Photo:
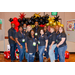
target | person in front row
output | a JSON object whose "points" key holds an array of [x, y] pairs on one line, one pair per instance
{"points": [[31, 46], [61, 44], [42, 44], [52, 44], [20, 39]]}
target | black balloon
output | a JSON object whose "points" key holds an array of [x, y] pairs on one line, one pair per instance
{"points": [[43, 22], [32, 18], [36, 20], [46, 21], [19, 20], [24, 19], [39, 23], [43, 18], [11, 19], [32, 22], [47, 16], [26, 23], [22, 23]]}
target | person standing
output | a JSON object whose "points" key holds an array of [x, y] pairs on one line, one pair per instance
{"points": [[42, 44], [31, 46], [61, 44], [37, 33], [20, 39], [12, 42], [46, 53], [24, 32], [56, 49], [52, 44]]}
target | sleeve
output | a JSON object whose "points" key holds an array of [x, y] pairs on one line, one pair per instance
{"points": [[46, 38], [16, 35], [9, 33], [63, 35], [54, 37], [26, 39]]}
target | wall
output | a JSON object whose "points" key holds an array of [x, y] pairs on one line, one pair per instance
{"points": [[64, 15]]}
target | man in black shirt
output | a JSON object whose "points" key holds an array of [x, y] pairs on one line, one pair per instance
{"points": [[11, 37], [37, 32]]}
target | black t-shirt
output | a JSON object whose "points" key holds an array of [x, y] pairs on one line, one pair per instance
{"points": [[37, 31], [51, 38], [21, 37], [62, 35], [42, 39], [47, 33], [31, 44], [11, 32], [57, 34]]}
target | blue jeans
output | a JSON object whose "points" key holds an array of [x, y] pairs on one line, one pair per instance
{"points": [[21, 51], [30, 57], [12, 51], [51, 53], [56, 53], [47, 53], [41, 51], [61, 52], [24, 52]]}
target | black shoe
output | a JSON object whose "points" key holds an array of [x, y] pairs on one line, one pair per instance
{"points": [[56, 60]]}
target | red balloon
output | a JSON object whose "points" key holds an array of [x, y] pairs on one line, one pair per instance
{"points": [[66, 54], [16, 28], [17, 24], [42, 25], [15, 19]]}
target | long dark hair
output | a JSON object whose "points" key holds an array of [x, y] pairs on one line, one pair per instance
{"points": [[30, 33], [63, 29]]}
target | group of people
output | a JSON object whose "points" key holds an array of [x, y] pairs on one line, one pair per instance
{"points": [[29, 41]]}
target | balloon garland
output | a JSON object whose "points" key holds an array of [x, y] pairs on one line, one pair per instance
{"points": [[42, 20]]}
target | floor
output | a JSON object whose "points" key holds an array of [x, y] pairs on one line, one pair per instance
{"points": [[2, 59]]}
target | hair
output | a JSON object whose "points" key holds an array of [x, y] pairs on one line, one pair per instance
{"points": [[42, 29], [62, 29], [30, 33], [52, 28], [24, 23], [20, 26], [28, 27]]}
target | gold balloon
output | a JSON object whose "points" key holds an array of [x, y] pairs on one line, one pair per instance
{"points": [[62, 25], [49, 18], [52, 18], [54, 23], [32, 26], [47, 24], [37, 15], [59, 23], [50, 22]]}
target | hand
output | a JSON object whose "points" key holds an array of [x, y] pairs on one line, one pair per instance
{"points": [[26, 50], [57, 46], [21, 46], [50, 47], [46, 49]]}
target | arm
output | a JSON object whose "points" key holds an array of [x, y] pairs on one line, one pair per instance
{"points": [[12, 38], [26, 47], [37, 48], [18, 42], [61, 42]]}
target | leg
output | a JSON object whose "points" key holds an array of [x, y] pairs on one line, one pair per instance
{"points": [[41, 50], [12, 51], [56, 53], [52, 54]]}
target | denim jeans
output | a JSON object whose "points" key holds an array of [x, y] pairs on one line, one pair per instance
{"points": [[56, 53], [51, 53], [21, 51], [12, 51], [41, 51], [61, 52], [47, 53], [24, 52], [30, 57]]}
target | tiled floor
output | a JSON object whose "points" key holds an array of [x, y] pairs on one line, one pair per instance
{"points": [[2, 59]]}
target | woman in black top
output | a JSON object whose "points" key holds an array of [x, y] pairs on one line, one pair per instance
{"points": [[20, 39], [31, 46], [61, 44], [52, 44], [42, 44]]}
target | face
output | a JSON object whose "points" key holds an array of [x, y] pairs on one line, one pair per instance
{"points": [[20, 29], [60, 30], [13, 25], [36, 24], [45, 28], [24, 26], [51, 30], [29, 28], [56, 28], [32, 32], [41, 32]]}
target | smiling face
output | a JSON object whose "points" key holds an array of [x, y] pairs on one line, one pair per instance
{"points": [[32, 33], [60, 29], [45, 28], [41, 31], [36, 24], [13, 25]]}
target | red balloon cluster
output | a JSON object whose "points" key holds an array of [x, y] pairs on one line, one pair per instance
{"points": [[42, 25], [22, 15], [15, 21]]}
